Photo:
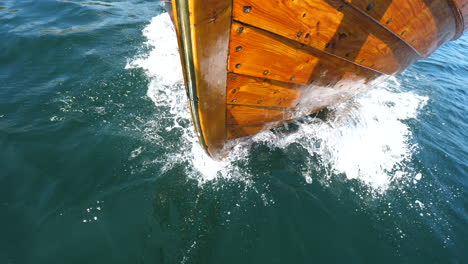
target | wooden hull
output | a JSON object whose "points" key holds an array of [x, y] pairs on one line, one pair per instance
{"points": [[251, 65]]}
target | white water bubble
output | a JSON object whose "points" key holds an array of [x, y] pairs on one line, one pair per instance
{"points": [[420, 204], [136, 152], [418, 176]]}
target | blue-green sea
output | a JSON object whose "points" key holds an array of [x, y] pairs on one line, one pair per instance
{"points": [[99, 162]]}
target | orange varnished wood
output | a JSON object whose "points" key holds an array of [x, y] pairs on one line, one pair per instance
{"points": [[254, 115], [245, 90], [210, 23], [331, 26], [258, 53], [423, 24], [328, 82], [255, 100], [293, 58], [248, 111], [261, 92]]}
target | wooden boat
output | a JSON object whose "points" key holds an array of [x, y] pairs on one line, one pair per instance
{"points": [[251, 65]]}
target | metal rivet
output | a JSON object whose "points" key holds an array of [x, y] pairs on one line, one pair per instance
{"points": [[247, 9], [234, 91], [370, 6], [234, 78], [240, 30], [234, 100], [260, 101], [304, 15], [299, 34], [363, 60], [238, 48], [292, 78], [307, 35], [389, 21], [238, 65], [266, 72], [403, 33]]}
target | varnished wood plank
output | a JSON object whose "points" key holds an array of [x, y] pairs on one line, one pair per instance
{"points": [[257, 117], [423, 24], [252, 115], [329, 73], [260, 54], [260, 50], [331, 26], [210, 31], [245, 90], [205, 50]]}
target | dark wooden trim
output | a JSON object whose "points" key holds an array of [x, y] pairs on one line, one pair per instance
{"points": [[458, 7]]}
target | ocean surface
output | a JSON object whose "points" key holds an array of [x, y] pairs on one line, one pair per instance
{"points": [[99, 163]]}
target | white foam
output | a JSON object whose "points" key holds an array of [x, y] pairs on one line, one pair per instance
{"points": [[365, 138]]}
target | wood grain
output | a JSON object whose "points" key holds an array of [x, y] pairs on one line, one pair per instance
{"points": [[423, 24], [246, 90], [290, 58], [209, 25], [242, 115], [210, 37], [258, 53], [310, 98], [331, 26]]}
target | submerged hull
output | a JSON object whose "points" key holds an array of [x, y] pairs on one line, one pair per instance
{"points": [[251, 65]]}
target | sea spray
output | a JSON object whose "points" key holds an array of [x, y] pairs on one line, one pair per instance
{"points": [[365, 138]]}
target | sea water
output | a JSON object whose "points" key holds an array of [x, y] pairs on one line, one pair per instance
{"points": [[99, 162]]}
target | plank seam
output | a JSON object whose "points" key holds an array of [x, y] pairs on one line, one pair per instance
{"points": [[387, 29], [305, 47]]}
